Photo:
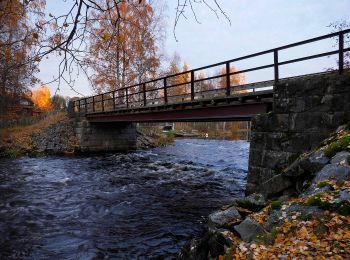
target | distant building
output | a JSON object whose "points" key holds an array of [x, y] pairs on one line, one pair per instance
{"points": [[14, 109]]}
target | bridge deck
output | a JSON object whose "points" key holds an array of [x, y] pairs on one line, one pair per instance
{"points": [[156, 100]]}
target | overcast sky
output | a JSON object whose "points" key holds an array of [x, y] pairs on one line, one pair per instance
{"points": [[256, 25]]}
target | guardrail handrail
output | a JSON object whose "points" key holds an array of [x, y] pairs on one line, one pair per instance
{"points": [[165, 87]]}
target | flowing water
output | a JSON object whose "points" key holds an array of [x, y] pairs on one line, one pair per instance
{"points": [[139, 205]]}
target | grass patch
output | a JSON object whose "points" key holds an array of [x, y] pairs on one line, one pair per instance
{"points": [[337, 146], [276, 204]]}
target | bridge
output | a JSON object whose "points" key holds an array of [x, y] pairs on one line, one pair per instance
{"points": [[198, 98], [304, 109]]}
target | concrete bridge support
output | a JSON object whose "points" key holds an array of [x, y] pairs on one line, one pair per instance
{"points": [[305, 111], [105, 137]]}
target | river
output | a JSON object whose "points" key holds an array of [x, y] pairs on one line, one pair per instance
{"points": [[140, 205]]}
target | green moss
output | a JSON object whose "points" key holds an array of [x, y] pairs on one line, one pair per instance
{"points": [[229, 254], [276, 204], [337, 146], [342, 208], [266, 238], [13, 152], [306, 217], [322, 184]]}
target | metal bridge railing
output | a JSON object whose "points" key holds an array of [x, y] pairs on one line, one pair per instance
{"points": [[160, 91]]}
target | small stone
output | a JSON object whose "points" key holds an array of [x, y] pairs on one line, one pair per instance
{"points": [[249, 229], [224, 218]]}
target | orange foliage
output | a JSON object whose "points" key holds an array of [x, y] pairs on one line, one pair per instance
{"points": [[42, 98], [235, 79]]}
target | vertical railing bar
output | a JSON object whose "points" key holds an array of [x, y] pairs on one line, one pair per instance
{"points": [[275, 57], [93, 103], [144, 94], [165, 91], [192, 85], [79, 106], [86, 108], [341, 52], [102, 103], [127, 97], [113, 95], [228, 79]]}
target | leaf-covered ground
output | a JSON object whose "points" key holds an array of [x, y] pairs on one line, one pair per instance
{"points": [[299, 236]]}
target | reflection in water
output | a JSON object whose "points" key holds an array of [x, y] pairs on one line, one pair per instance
{"points": [[140, 205]]}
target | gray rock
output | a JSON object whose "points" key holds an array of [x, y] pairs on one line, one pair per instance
{"points": [[344, 196], [313, 189], [275, 185], [249, 229], [224, 218], [274, 219], [309, 164], [253, 202], [332, 171], [305, 210], [341, 158]]}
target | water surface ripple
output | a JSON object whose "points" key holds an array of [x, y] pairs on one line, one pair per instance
{"points": [[117, 206]]}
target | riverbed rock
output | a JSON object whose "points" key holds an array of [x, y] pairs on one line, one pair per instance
{"points": [[249, 229], [224, 218], [253, 202], [333, 171], [196, 249], [275, 185], [219, 242]]}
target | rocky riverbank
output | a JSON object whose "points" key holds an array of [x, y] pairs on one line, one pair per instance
{"points": [[55, 134], [303, 214]]}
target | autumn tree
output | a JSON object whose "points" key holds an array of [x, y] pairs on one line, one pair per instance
{"points": [[58, 102], [42, 98], [127, 54], [18, 39], [235, 79]]}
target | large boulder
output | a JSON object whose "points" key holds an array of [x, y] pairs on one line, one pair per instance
{"points": [[333, 171], [341, 158], [307, 164], [249, 229], [224, 218], [276, 185], [254, 202]]}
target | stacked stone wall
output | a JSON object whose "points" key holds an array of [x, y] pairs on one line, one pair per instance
{"points": [[305, 111], [105, 137]]}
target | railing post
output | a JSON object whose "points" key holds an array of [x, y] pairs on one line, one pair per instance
{"points": [[102, 103], [192, 85], [86, 108], [228, 79], [113, 96], [127, 97], [144, 94], [275, 58], [341, 52], [79, 106], [165, 91], [93, 103]]}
